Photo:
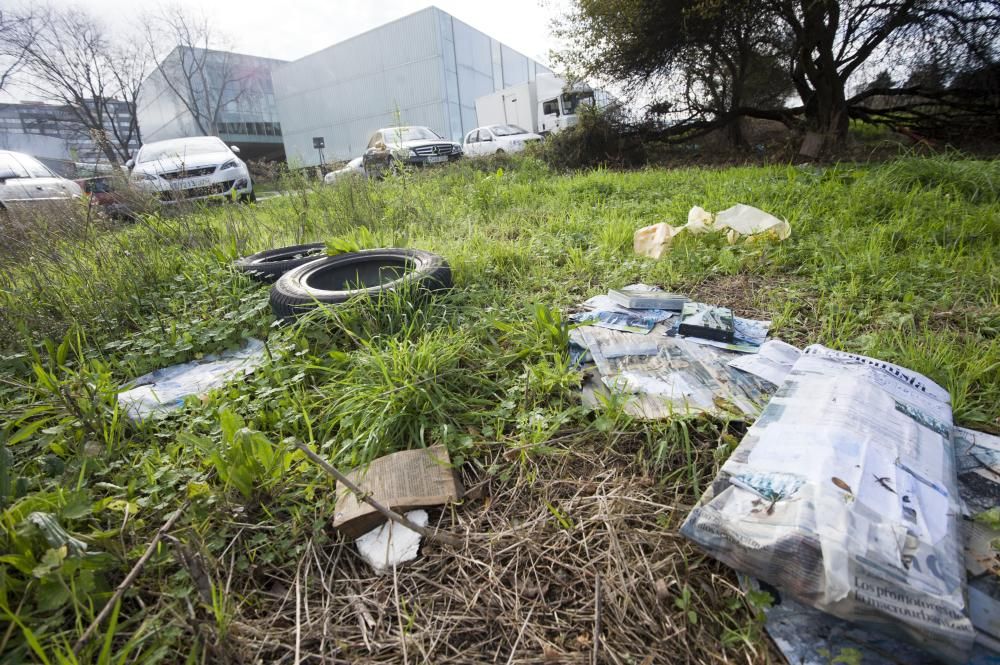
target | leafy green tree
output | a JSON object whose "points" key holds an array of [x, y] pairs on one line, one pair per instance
{"points": [[705, 63], [709, 60]]}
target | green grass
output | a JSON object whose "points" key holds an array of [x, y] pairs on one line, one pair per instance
{"points": [[897, 261]]}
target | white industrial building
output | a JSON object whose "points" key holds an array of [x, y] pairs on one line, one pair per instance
{"points": [[231, 91], [427, 68]]}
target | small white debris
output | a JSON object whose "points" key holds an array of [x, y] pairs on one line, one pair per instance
{"points": [[391, 544]]}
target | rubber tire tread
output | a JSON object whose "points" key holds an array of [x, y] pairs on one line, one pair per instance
{"points": [[263, 270], [289, 299]]}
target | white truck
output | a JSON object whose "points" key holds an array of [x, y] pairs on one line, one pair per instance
{"points": [[546, 105]]}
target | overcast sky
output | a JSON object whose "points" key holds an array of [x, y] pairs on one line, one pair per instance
{"points": [[290, 29]]}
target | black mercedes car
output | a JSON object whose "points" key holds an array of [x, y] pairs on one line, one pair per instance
{"points": [[415, 146]]}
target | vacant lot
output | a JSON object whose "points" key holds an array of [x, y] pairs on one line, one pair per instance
{"points": [[897, 261]]}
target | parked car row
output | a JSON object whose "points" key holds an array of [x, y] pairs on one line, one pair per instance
{"points": [[25, 180], [392, 147], [494, 139], [204, 168], [198, 168]]}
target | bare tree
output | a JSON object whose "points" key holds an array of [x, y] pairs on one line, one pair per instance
{"points": [[204, 78], [68, 58], [834, 38], [11, 49]]}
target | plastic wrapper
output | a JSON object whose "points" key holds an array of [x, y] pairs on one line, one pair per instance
{"points": [[738, 222], [844, 495]]}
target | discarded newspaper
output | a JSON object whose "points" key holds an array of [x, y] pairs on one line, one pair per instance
{"points": [[772, 362], [165, 389], [633, 323], [748, 335], [807, 636], [406, 480], [659, 376], [844, 495]]}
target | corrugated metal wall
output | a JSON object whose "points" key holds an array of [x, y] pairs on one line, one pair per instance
{"points": [[423, 69], [344, 93]]}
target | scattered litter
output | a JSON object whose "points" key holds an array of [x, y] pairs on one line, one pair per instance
{"points": [[662, 374], [707, 322], [631, 297], [885, 552], [633, 323], [746, 221], [806, 636], [390, 544], [978, 460], [606, 303], [772, 362], [740, 221], [684, 377], [406, 480], [653, 241], [165, 389], [810, 637], [748, 335], [977, 456], [671, 386]]}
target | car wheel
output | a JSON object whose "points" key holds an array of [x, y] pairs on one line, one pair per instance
{"points": [[499, 151], [337, 279], [249, 197], [269, 265]]}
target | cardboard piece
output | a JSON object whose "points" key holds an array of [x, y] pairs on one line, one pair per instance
{"points": [[407, 480]]}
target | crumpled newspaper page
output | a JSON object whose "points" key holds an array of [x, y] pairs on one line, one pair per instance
{"points": [[165, 389], [844, 495]]}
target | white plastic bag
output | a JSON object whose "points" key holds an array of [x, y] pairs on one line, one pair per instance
{"points": [[742, 221]]}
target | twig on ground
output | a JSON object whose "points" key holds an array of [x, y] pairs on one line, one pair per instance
{"points": [[388, 513], [130, 578], [597, 618]]}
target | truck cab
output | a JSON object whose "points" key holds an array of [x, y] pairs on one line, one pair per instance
{"points": [[559, 103], [544, 105]]}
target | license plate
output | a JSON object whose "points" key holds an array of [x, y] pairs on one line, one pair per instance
{"points": [[436, 159], [192, 183]]}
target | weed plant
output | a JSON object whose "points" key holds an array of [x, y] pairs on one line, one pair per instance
{"points": [[897, 261]]}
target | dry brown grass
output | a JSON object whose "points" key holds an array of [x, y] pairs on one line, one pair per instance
{"points": [[583, 566]]}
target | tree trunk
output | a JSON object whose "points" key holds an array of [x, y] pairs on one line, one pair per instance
{"points": [[829, 114], [734, 132], [816, 68], [100, 137]]}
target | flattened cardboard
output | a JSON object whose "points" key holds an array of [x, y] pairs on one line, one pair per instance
{"points": [[407, 480]]}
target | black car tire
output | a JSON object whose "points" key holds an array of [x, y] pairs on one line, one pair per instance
{"points": [[269, 265], [323, 282]]}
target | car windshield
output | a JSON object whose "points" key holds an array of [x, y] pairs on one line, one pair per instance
{"points": [[22, 166], [571, 101], [180, 149], [35, 168], [507, 130], [10, 167], [403, 134]]}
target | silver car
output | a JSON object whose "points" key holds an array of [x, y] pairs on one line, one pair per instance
{"points": [[198, 167], [25, 181]]}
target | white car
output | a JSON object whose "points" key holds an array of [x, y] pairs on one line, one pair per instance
{"points": [[25, 180], [493, 139], [353, 167], [198, 167]]}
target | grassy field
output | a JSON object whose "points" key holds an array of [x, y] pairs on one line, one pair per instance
{"points": [[897, 261]]}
